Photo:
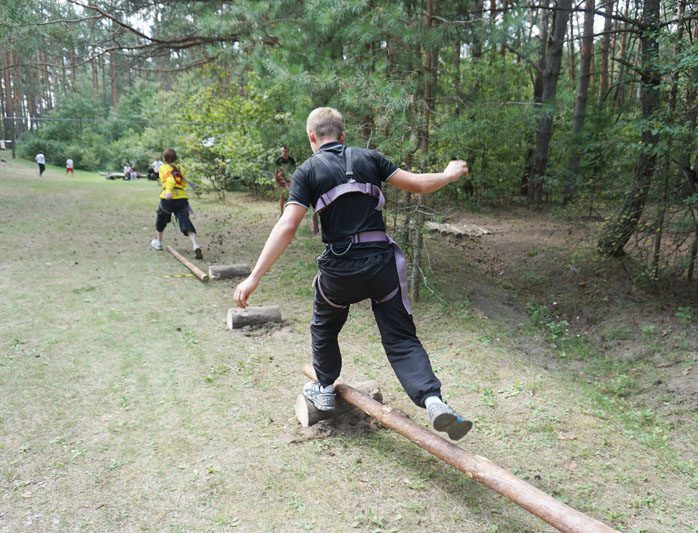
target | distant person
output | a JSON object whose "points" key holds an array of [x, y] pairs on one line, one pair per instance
{"points": [[173, 200], [41, 160], [127, 171], [153, 171], [343, 186], [156, 164], [69, 166], [282, 176], [133, 174]]}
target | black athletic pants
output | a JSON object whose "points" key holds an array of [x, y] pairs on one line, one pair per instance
{"points": [[359, 274], [180, 209]]}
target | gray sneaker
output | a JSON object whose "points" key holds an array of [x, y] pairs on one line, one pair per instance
{"points": [[324, 401], [444, 418]]}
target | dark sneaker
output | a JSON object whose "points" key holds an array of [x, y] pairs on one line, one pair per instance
{"points": [[444, 418], [198, 253], [324, 401]]}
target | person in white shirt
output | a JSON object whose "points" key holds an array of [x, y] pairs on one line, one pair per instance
{"points": [[41, 160], [69, 166]]}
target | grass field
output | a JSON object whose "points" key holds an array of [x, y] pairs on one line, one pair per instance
{"points": [[128, 406]]}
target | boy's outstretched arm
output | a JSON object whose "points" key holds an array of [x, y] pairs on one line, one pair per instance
{"points": [[428, 182], [280, 237]]}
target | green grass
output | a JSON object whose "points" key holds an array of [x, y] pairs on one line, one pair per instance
{"points": [[128, 406]]}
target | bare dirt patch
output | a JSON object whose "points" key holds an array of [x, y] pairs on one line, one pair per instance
{"points": [[531, 261]]}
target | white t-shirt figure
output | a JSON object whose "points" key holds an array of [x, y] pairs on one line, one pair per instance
{"points": [[68, 166], [156, 165], [40, 158]]}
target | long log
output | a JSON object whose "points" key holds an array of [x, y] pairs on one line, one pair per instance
{"points": [[191, 266], [228, 271], [554, 512], [309, 415], [253, 316]]}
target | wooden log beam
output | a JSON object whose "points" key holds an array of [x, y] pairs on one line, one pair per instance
{"points": [[308, 415], [228, 271], [554, 512], [191, 266], [253, 316]]}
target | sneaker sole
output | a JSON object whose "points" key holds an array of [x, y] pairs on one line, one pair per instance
{"points": [[456, 426]]}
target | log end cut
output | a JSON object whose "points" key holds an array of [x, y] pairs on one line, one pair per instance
{"points": [[253, 316]]}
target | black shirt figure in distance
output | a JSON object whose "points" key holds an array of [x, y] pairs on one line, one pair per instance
{"points": [[360, 261], [285, 164]]}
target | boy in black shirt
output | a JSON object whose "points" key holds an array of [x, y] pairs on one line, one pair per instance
{"points": [[343, 185], [285, 165]]}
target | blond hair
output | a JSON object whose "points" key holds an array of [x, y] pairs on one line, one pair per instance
{"points": [[325, 122]]}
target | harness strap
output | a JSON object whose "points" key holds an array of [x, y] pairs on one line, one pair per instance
{"points": [[316, 284], [345, 188], [400, 263]]}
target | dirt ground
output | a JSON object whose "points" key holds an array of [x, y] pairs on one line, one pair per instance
{"points": [[540, 261], [128, 405]]}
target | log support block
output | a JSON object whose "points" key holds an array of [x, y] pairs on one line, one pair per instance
{"points": [[228, 271], [308, 415], [253, 316]]}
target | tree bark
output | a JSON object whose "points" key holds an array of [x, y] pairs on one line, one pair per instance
{"points": [[605, 53], [586, 57], [112, 79], [478, 468], [619, 230], [551, 74], [620, 86], [228, 271], [191, 266], [537, 93], [253, 316]]}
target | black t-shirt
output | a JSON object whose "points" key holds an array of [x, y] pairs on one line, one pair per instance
{"points": [[351, 213], [288, 162]]}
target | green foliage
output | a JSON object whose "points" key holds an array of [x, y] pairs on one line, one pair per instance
{"points": [[685, 315]]}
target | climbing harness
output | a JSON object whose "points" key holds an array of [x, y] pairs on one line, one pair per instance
{"points": [[365, 236]]}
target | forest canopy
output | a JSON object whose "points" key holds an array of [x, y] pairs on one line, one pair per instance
{"points": [[589, 105]]}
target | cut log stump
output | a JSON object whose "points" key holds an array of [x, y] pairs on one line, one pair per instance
{"points": [[308, 415], [253, 316], [228, 271]]}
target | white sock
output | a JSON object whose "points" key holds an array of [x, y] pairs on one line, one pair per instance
{"points": [[329, 388], [431, 400]]}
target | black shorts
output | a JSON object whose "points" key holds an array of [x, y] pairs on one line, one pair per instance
{"points": [[180, 209]]}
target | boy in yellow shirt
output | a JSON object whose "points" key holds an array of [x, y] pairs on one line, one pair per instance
{"points": [[173, 200]]}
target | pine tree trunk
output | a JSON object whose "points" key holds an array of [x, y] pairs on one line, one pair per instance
{"points": [[112, 79], [605, 53], [664, 203], [547, 112], [619, 230], [586, 58], [537, 93], [620, 87]]}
